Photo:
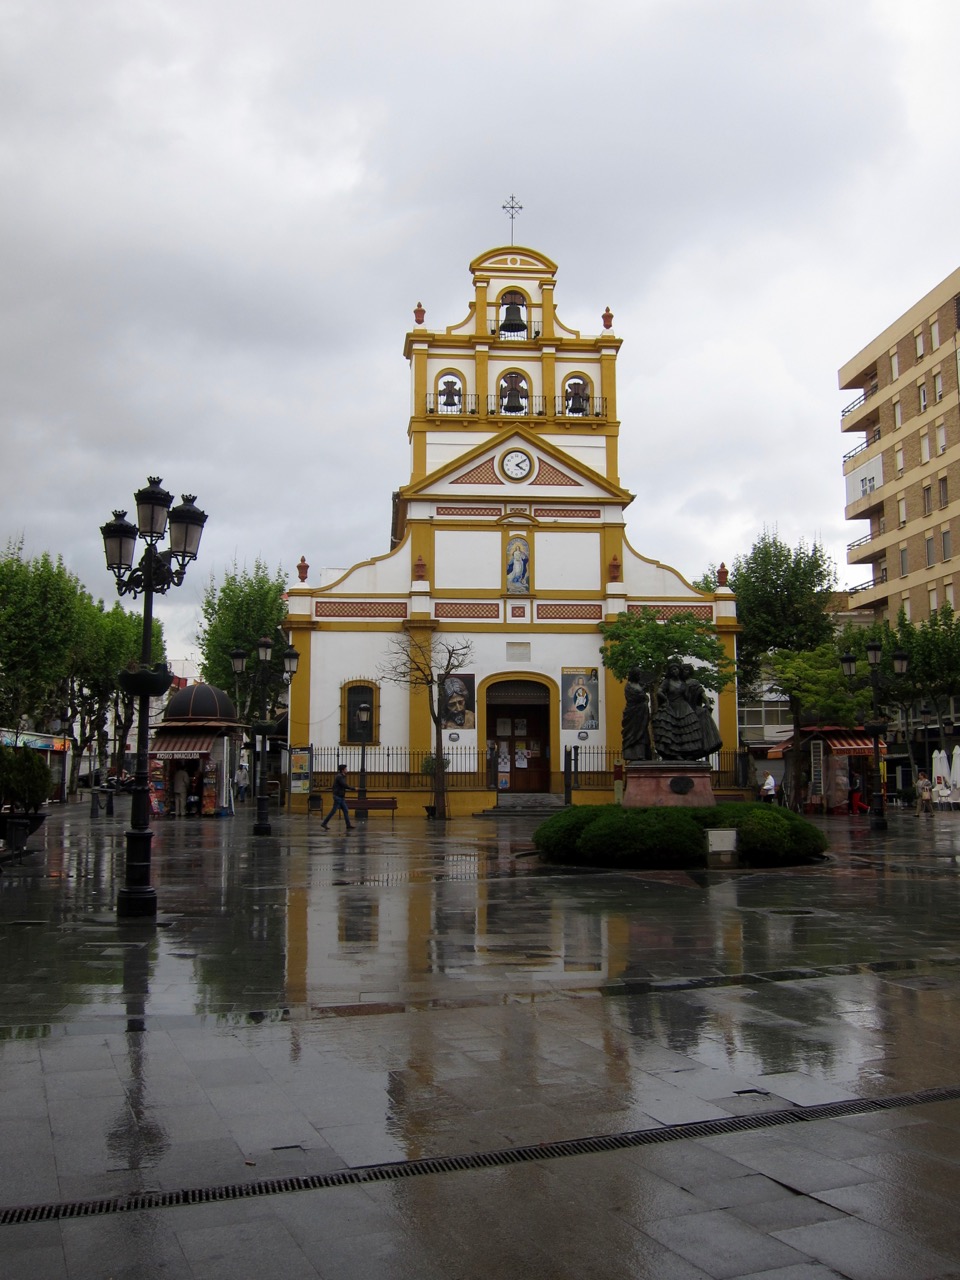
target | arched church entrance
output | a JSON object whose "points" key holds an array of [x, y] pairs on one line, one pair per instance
{"points": [[518, 734]]}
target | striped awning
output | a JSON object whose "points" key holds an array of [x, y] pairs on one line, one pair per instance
{"points": [[183, 744], [841, 744]]}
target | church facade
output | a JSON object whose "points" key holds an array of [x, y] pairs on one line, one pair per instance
{"points": [[509, 544]]}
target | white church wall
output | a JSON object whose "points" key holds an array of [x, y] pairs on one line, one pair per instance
{"points": [[648, 578], [353, 655], [468, 556], [588, 453], [387, 576], [445, 448], [566, 561]]}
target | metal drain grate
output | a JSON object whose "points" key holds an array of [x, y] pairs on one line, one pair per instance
{"points": [[392, 1172]]}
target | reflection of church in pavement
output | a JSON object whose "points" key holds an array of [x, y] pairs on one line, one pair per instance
{"points": [[509, 533]]}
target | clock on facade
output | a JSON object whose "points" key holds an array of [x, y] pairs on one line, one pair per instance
{"points": [[516, 464]]}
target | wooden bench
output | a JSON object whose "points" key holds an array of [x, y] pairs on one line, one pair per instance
{"points": [[318, 801], [374, 802]]}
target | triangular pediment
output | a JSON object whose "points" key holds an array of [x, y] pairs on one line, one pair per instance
{"points": [[512, 260], [550, 471]]}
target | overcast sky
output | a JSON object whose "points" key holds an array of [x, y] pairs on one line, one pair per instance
{"points": [[216, 218]]}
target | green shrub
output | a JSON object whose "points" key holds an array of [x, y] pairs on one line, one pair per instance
{"points": [[669, 837], [764, 836], [556, 839], [610, 840], [610, 836], [26, 781]]}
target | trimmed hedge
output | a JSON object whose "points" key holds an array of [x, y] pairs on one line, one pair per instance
{"points": [[668, 838]]}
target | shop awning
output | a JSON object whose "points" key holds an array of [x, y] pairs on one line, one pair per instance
{"points": [[841, 744], [183, 744]]}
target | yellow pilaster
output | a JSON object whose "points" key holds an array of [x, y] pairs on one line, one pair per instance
{"points": [[608, 382], [301, 637], [481, 309], [727, 700], [613, 459], [548, 372], [482, 371], [549, 310]]}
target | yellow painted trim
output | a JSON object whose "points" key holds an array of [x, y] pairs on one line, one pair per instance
{"points": [[299, 705], [367, 683]]}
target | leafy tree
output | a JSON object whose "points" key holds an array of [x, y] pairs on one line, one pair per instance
{"points": [[647, 641], [782, 596], [427, 663], [38, 608], [246, 606], [816, 682]]}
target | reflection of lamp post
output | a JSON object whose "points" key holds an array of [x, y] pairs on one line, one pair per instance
{"points": [[260, 728], [848, 664], [363, 720], [156, 573]]}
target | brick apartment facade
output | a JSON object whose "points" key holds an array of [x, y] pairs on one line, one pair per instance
{"points": [[902, 473]]}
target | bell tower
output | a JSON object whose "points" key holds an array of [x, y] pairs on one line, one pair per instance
{"points": [[512, 362]]}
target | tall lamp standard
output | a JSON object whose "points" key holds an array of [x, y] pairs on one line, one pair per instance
{"points": [[260, 728], [848, 664], [363, 720], [154, 574]]}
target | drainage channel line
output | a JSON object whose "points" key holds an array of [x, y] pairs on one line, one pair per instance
{"points": [[395, 1170]]}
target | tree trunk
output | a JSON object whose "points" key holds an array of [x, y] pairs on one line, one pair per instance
{"points": [[439, 764]]}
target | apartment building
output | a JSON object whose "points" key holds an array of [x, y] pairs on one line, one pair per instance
{"points": [[902, 473]]}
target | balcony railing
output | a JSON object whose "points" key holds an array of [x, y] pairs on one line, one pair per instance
{"points": [[868, 586], [871, 439], [522, 405], [861, 399], [860, 542], [453, 403], [587, 407]]}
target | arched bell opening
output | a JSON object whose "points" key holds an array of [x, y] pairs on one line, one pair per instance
{"points": [[513, 314], [576, 396], [514, 393]]}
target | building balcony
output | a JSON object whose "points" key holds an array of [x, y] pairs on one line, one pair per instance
{"points": [[863, 413], [872, 438], [453, 402], [865, 505], [872, 592], [872, 546]]}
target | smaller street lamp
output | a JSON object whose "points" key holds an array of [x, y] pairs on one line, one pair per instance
{"points": [[878, 726], [260, 728], [363, 720]]}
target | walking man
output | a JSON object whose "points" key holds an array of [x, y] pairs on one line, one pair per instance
{"points": [[340, 788]]}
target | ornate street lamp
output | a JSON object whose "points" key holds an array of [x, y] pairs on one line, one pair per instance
{"points": [[363, 720], [155, 573], [848, 664]]}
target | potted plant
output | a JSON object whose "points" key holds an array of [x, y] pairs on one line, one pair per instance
{"points": [[24, 787]]}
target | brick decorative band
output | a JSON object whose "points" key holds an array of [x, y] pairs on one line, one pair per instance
{"points": [[703, 612], [584, 612], [518, 611], [471, 511], [572, 513], [467, 611], [359, 609]]}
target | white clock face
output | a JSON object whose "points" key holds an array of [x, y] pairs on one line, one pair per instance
{"points": [[516, 464]]}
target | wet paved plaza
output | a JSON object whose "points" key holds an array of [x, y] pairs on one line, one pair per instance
{"points": [[736, 1074]]}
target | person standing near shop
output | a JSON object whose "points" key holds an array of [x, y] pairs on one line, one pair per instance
{"points": [[181, 786], [340, 788], [924, 795], [241, 780], [768, 789]]}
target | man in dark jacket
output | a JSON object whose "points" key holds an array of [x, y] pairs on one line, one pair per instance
{"points": [[340, 788]]}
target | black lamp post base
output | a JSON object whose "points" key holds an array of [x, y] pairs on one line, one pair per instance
{"points": [[137, 903], [261, 826]]}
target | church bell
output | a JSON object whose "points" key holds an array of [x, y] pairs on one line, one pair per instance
{"points": [[576, 400], [513, 321], [451, 394]]}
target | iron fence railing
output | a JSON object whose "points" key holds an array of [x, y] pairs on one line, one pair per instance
{"points": [[471, 768], [453, 402], [861, 399]]}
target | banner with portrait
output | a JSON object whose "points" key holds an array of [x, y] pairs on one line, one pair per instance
{"points": [[458, 702], [579, 698]]}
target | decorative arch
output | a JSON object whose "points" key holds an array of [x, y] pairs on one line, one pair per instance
{"points": [[513, 392], [487, 732]]}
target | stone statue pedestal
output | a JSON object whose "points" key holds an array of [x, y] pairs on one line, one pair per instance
{"points": [[655, 784]]}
